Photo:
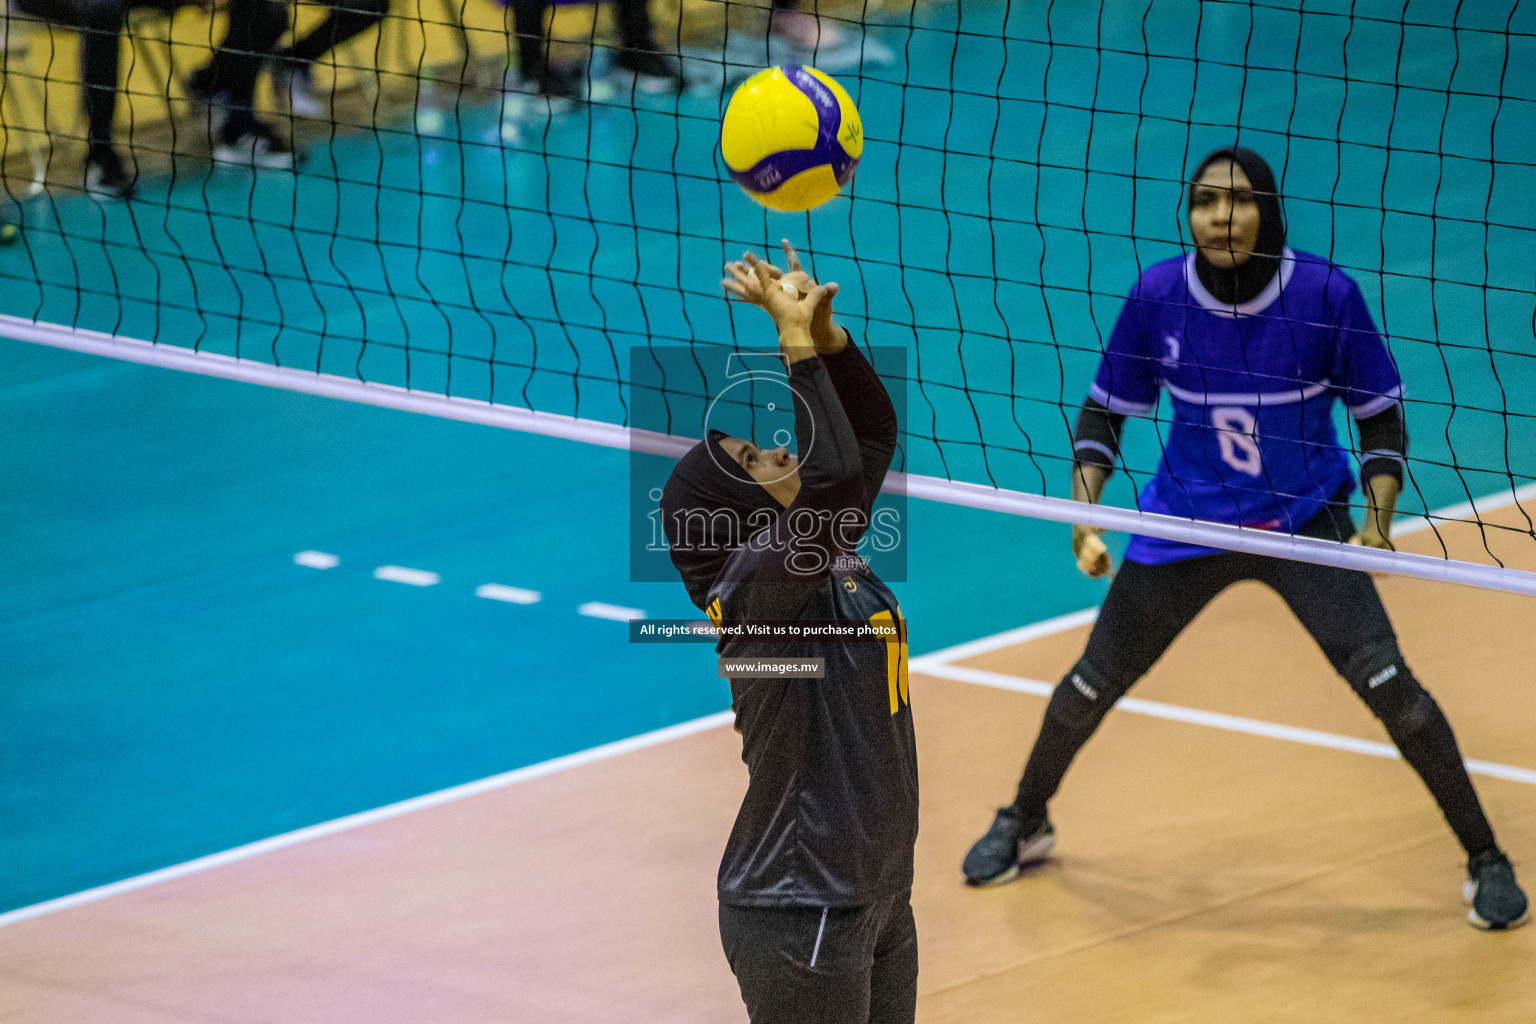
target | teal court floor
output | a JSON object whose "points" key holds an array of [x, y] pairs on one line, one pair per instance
{"points": [[174, 684]]}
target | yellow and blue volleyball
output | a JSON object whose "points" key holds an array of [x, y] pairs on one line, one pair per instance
{"points": [[791, 137]]}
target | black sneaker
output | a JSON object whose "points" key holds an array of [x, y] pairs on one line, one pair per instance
{"points": [[1010, 844], [255, 144], [1495, 898], [106, 177], [650, 71]]}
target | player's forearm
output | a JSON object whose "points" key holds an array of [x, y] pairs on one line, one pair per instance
{"points": [[1383, 445], [870, 412], [830, 467], [830, 339], [1381, 492], [1088, 482], [1096, 438], [863, 394], [1095, 449], [796, 344]]}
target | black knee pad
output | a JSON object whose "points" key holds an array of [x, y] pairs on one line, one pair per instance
{"points": [[1082, 697], [1381, 677]]}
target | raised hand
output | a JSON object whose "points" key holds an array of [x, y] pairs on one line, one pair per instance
{"points": [[760, 283], [828, 337], [756, 281]]}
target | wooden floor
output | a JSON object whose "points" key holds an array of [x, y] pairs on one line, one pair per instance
{"points": [[1203, 874]]}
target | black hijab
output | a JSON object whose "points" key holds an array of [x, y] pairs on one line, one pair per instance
{"points": [[709, 508], [1236, 285]]}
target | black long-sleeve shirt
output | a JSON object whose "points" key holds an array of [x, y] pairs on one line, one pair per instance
{"points": [[830, 815]]}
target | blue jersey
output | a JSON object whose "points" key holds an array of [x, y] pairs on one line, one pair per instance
{"points": [[1252, 440]]}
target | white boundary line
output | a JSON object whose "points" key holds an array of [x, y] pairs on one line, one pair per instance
{"points": [[941, 664], [1473, 509], [395, 810], [1212, 719], [1220, 535], [1007, 638], [1021, 634]]}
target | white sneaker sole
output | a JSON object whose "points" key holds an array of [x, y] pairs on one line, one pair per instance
{"points": [[647, 85], [305, 104], [311, 110], [1037, 849], [102, 194], [528, 106], [242, 156]]}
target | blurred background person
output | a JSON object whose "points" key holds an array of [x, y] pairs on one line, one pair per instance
{"points": [[254, 26]]}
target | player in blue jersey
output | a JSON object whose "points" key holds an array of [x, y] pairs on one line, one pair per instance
{"points": [[1253, 342]]}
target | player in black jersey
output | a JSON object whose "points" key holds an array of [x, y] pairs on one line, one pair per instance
{"points": [[815, 885]]}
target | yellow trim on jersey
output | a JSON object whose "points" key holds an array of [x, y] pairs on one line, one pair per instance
{"points": [[895, 658]]}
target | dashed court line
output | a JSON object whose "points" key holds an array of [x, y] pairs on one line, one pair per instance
{"points": [[618, 613], [316, 560], [511, 595], [490, 591], [413, 577]]}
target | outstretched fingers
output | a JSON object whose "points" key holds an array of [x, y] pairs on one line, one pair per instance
{"points": [[791, 258], [764, 270], [817, 295], [783, 294], [741, 283]]}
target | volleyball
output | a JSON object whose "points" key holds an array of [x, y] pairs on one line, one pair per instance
{"points": [[791, 137]]}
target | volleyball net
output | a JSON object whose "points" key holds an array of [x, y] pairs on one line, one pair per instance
{"points": [[456, 242]]}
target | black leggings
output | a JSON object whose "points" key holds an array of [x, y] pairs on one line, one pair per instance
{"points": [[815, 965], [1148, 606], [346, 19], [254, 26]]}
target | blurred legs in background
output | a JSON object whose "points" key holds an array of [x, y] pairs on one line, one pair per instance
{"points": [[227, 87], [292, 67]]}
